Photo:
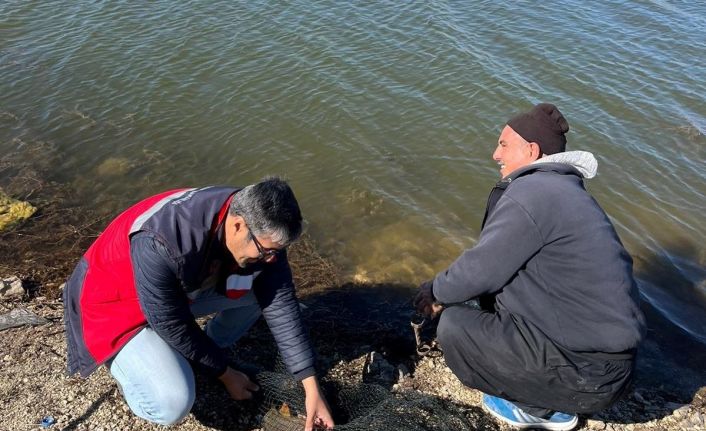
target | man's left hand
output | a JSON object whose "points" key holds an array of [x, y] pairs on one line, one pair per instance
{"points": [[317, 411]]}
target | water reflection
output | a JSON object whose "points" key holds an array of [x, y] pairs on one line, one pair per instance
{"points": [[674, 282]]}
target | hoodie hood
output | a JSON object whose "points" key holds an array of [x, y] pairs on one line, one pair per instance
{"points": [[583, 161]]}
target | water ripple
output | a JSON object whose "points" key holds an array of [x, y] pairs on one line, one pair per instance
{"points": [[384, 116]]}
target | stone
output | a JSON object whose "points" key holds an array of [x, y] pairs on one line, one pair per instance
{"points": [[595, 425], [13, 211], [684, 424], [20, 317], [114, 166], [697, 419], [377, 368], [11, 287]]}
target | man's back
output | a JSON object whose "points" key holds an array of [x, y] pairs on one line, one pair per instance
{"points": [[578, 287]]}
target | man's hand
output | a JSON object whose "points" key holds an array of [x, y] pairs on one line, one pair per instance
{"points": [[425, 303], [317, 411], [238, 385]]}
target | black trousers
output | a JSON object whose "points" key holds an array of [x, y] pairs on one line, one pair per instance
{"points": [[503, 355]]}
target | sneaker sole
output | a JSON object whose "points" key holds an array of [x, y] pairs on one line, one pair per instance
{"points": [[567, 426]]}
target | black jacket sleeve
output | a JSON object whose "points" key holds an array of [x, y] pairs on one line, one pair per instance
{"points": [[166, 306], [274, 290], [508, 240]]}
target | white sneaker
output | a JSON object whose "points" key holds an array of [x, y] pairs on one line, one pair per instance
{"points": [[511, 414]]}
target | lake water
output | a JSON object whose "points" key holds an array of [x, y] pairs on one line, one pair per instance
{"points": [[383, 115]]}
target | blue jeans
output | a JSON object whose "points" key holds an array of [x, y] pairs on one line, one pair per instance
{"points": [[156, 380]]}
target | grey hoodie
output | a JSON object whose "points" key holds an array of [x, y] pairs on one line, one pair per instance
{"points": [[552, 256]]}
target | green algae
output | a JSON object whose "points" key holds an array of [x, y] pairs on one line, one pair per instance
{"points": [[13, 211]]}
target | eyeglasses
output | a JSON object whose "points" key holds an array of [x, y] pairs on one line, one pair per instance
{"points": [[266, 254]]}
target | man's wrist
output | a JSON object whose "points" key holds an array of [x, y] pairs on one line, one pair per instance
{"points": [[430, 283], [311, 386]]}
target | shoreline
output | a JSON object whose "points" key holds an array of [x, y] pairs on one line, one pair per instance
{"points": [[348, 322], [34, 384]]}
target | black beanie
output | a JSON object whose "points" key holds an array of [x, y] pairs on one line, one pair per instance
{"points": [[544, 125]]}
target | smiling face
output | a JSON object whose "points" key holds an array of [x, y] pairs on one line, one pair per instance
{"points": [[513, 152], [241, 245]]}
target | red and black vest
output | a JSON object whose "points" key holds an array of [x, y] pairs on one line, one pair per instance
{"points": [[101, 307]]}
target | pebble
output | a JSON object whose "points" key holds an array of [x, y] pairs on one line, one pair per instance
{"points": [[595, 425], [682, 411], [697, 419]]}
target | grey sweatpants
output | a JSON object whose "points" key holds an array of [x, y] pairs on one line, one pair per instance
{"points": [[503, 355]]}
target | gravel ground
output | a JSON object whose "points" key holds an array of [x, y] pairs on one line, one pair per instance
{"points": [[33, 385]]}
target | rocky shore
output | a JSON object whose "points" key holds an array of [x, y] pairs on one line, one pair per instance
{"points": [[33, 385], [361, 331]]}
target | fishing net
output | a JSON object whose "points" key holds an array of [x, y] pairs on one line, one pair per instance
{"points": [[357, 407]]}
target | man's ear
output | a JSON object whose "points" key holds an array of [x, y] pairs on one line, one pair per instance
{"points": [[535, 151], [238, 223]]}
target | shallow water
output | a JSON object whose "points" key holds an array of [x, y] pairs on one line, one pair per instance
{"points": [[382, 115]]}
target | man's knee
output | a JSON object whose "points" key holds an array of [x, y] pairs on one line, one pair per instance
{"points": [[163, 401], [167, 408], [449, 328]]}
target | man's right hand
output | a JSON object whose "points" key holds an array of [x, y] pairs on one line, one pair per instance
{"points": [[425, 303], [238, 385]]}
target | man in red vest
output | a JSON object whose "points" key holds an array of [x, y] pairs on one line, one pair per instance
{"points": [[132, 300]]}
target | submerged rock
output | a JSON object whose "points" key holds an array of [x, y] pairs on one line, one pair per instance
{"points": [[13, 211], [114, 166]]}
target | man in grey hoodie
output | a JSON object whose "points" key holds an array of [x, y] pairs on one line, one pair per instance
{"points": [[542, 314]]}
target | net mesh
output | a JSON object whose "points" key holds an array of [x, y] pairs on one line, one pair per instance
{"points": [[357, 407]]}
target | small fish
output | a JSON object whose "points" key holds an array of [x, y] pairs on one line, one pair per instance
{"points": [[285, 411]]}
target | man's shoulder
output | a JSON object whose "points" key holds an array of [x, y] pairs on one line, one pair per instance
{"points": [[546, 178], [543, 188], [536, 183]]}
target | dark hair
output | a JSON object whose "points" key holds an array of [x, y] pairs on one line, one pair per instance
{"points": [[270, 209]]}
